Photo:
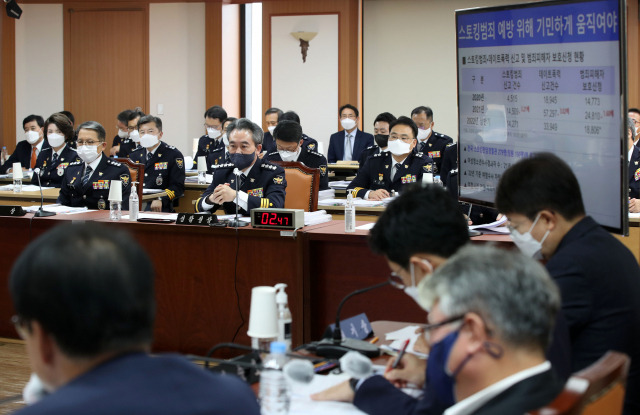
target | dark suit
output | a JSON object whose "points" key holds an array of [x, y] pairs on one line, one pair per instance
{"points": [[434, 147], [310, 159], [336, 145], [51, 172], [205, 146], [165, 170], [143, 385], [376, 396], [599, 280], [127, 146], [22, 155], [265, 184], [376, 173], [96, 191], [634, 174]]}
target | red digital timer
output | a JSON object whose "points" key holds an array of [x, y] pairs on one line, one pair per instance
{"points": [[277, 218]]}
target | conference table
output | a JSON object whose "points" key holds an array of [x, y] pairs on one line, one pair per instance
{"points": [[49, 196], [204, 276]]}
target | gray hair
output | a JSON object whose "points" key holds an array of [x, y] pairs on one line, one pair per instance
{"points": [[631, 126], [247, 124], [93, 126], [513, 294]]}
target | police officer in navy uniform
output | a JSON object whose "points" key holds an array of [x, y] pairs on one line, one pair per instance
{"points": [[87, 182], [163, 164], [261, 184], [214, 118], [430, 142], [290, 147], [307, 142], [394, 169], [381, 136], [221, 154], [53, 161]]}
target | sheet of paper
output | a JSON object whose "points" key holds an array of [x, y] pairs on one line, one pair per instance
{"points": [[493, 225], [339, 184], [25, 187], [153, 215], [301, 402], [326, 194], [400, 336], [57, 208], [151, 191], [366, 226]]}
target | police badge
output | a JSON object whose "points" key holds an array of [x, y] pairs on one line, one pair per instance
{"points": [[180, 162], [323, 170], [60, 170], [159, 180], [102, 205], [125, 179], [278, 180]]}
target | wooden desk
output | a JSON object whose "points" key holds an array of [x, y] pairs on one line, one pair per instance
{"points": [[369, 214], [50, 196], [192, 191]]}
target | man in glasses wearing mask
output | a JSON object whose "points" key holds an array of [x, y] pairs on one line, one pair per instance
{"points": [[87, 182], [214, 118], [598, 276], [260, 184], [394, 169], [290, 147], [27, 151], [381, 134]]}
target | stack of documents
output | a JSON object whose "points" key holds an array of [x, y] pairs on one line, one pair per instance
{"points": [[356, 202], [340, 184], [493, 227], [57, 208], [194, 179], [25, 188], [151, 191], [314, 218]]}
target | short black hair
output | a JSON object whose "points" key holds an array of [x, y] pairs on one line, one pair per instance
{"points": [[543, 181], [31, 118], [246, 124], [288, 131], [64, 125], [635, 110], [93, 126], [216, 112], [274, 110], [385, 117], [421, 220], [423, 110], [351, 107], [123, 116], [69, 116], [136, 113], [291, 116], [402, 120], [150, 119], [89, 286]]}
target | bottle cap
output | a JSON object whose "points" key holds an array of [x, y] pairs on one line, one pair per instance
{"points": [[281, 294], [278, 348]]}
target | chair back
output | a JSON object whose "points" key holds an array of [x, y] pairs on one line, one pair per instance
{"points": [[136, 172], [303, 184], [597, 389]]}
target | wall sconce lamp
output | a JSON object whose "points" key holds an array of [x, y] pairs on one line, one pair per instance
{"points": [[304, 38]]}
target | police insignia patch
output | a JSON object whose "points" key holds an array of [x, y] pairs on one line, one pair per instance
{"points": [[159, 180], [311, 146], [323, 170], [125, 179], [427, 168], [180, 162], [278, 180], [102, 205]]}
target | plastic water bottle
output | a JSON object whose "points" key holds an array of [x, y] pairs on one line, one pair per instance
{"points": [[134, 203], [284, 316], [115, 210], [3, 155], [274, 391], [349, 214]]}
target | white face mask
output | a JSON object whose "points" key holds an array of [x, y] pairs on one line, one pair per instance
{"points": [[414, 290], [88, 153], [289, 155], [348, 123], [213, 133], [225, 140], [123, 134], [423, 134], [55, 140], [271, 129], [527, 243], [148, 140], [32, 136], [135, 136], [398, 147]]}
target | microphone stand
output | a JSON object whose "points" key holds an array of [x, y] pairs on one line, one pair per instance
{"points": [[236, 223], [41, 212], [337, 346]]}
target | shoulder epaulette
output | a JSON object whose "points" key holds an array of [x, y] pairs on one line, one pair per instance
{"points": [[225, 165], [171, 147], [315, 153], [450, 144], [76, 163], [272, 153], [268, 166], [113, 162], [370, 147]]}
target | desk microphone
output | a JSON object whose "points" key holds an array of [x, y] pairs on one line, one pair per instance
{"points": [[41, 212], [337, 346], [236, 223]]}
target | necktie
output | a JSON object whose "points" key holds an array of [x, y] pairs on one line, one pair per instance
{"points": [[348, 151], [422, 147], [243, 177], [149, 154], [54, 157], [34, 157], [397, 167], [87, 173]]}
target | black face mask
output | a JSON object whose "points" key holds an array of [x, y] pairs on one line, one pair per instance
{"points": [[381, 140], [242, 161]]}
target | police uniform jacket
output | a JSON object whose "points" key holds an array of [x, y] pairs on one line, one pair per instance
{"points": [[95, 194], [368, 152], [634, 174], [311, 159], [51, 172], [127, 146], [22, 155], [205, 146], [434, 147], [269, 143], [376, 173], [165, 170], [218, 156], [265, 184]]}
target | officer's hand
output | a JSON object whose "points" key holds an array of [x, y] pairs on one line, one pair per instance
{"points": [[341, 392], [114, 150], [411, 369], [634, 205], [378, 194], [156, 206], [223, 193]]}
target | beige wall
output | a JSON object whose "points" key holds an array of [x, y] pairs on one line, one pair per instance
{"points": [[39, 62], [409, 58]]}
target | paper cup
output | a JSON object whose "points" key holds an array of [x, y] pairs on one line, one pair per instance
{"points": [[263, 320], [115, 191]]}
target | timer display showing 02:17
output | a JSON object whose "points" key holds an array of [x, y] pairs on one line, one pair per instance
{"points": [[273, 219]]}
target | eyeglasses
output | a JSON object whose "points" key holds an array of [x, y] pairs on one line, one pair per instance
{"points": [[19, 323], [88, 142], [426, 330], [396, 281]]}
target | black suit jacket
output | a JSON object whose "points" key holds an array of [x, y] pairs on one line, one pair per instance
{"points": [[21, 154], [336, 145]]}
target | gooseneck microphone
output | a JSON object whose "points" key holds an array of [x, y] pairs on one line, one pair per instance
{"points": [[236, 223], [41, 212]]}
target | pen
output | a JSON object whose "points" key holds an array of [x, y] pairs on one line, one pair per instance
{"points": [[374, 340], [402, 352]]}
